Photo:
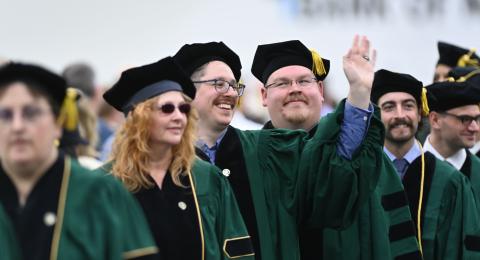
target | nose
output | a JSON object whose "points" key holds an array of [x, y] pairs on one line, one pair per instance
{"points": [[17, 121], [399, 112], [177, 115], [231, 92], [474, 126], [294, 87]]}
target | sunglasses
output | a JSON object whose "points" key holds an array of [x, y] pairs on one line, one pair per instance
{"points": [[168, 108]]}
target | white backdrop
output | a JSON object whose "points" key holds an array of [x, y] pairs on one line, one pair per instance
{"points": [[112, 35]]}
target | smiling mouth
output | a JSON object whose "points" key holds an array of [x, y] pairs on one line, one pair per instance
{"points": [[225, 106], [295, 102]]}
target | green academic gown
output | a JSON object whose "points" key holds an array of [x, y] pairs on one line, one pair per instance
{"points": [[383, 229], [299, 181], [222, 224], [448, 213], [471, 169], [9, 248], [95, 218], [208, 225]]}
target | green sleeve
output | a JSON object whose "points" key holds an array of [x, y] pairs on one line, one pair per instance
{"points": [[9, 248], [331, 189], [137, 238], [318, 186], [104, 218], [234, 236], [458, 223], [224, 231]]}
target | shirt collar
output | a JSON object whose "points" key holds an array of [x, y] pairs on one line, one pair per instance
{"points": [[456, 160], [410, 156], [201, 144]]}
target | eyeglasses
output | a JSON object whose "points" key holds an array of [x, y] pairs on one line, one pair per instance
{"points": [[168, 108], [28, 113], [307, 82], [466, 120], [222, 86]]}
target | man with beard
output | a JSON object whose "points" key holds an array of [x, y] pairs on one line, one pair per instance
{"points": [[281, 178], [455, 122], [294, 101], [440, 198]]}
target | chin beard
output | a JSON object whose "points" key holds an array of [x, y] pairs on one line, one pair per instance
{"points": [[296, 118], [398, 140]]}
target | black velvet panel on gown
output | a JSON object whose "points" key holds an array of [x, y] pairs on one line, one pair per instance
{"points": [[411, 183], [230, 156], [172, 216], [467, 165]]}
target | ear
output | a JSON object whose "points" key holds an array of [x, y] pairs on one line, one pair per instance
{"points": [[321, 89], [264, 96], [433, 119], [58, 131]]}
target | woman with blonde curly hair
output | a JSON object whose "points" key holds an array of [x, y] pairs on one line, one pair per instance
{"points": [[189, 205]]}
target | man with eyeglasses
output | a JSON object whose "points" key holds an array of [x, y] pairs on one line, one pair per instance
{"points": [[293, 97], [440, 197], [281, 178], [455, 121], [470, 74], [449, 57]]}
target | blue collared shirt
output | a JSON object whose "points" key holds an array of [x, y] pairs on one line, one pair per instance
{"points": [[211, 152], [410, 156], [353, 129], [354, 126]]}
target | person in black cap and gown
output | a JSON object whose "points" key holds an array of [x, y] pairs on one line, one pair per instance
{"points": [[440, 197], [189, 204], [293, 95], [50, 206], [451, 56], [455, 121], [281, 176]]}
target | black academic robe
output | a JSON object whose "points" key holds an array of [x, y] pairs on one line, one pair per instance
{"points": [[198, 221]]}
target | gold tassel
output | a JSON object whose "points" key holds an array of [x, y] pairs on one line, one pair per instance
{"points": [[318, 67], [466, 60], [425, 108], [69, 112], [469, 75]]}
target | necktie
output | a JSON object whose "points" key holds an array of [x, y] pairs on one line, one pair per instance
{"points": [[401, 166]]}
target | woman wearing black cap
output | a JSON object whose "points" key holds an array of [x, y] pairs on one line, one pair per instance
{"points": [[188, 203], [51, 207]]}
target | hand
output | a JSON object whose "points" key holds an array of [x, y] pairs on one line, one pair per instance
{"points": [[358, 66]]}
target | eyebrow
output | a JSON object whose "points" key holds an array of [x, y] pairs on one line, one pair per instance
{"points": [[298, 77], [401, 101]]}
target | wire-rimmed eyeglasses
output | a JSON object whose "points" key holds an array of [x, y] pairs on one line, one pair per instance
{"points": [[285, 83], [222, 86]]}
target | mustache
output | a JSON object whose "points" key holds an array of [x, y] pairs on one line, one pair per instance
{"points": [[398, 122], [225, 99], [295, 97]]}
